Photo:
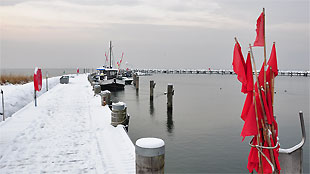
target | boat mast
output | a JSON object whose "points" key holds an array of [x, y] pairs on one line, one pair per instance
{"points": [[111, 54]]}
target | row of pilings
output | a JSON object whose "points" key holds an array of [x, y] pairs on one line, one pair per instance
{"points": [[150, 152]]}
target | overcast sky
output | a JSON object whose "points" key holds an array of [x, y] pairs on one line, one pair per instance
{"points": [[151, 33]]}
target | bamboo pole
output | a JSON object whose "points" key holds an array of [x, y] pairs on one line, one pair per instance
{"points": [[264, 50], [267, 138], [260, 164]]}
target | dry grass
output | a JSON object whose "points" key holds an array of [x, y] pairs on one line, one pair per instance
{"points": [[15, 79]]}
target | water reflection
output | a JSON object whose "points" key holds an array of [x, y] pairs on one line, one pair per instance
{"points": [[151, 107], [116, 96], [170, 125]]}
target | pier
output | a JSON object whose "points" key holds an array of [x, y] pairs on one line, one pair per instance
{"points": [[68, 132], [211, 71]]}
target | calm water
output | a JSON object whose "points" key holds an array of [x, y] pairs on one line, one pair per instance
{"points": [[202, 133]]}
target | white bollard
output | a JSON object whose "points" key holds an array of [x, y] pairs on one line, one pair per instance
{"points": [[150, 155]]}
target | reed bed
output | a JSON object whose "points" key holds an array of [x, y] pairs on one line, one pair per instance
{"points": [[15, 79]]}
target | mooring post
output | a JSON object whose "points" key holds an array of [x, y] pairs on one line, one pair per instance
{"points": [[170, 93], [118, 114], [150, 155], [97, 89], [137, 82], [105, 97], [134, 78], [152, 86], [46, 81], [3, 117]]}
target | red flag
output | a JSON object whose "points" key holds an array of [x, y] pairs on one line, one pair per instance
{"points": [[106, 57], [261, 76], [37, 79], [253, 157], [239, 64], [247, 105], [250, 125], [272, 62], [248, 87], [269, 118], [260, 41]]}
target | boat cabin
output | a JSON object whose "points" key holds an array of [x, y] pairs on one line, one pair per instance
{"points": [[107, 74]]}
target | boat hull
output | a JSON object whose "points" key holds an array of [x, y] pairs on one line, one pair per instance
{"points": [[112, 85]]}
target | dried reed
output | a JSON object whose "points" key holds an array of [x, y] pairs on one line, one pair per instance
{"points": [[15, 79]]}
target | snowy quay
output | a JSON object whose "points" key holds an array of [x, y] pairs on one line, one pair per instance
{"points": [[68, 132]]}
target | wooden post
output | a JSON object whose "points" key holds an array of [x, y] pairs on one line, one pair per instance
{"points": [[137, 82], [46, 81], [35, 98], [105, 97], [152, 86], [3, 117], [134, 78], [118, 114], [97, 89], [170, 93], [150, 155]]}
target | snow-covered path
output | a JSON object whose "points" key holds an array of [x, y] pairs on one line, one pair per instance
{"points": [[69, 132]]}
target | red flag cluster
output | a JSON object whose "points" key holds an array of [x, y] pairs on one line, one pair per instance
{"points": [[257, 112]]}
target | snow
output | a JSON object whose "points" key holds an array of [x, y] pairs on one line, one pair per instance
{"points": [[119, 106], [68, 132], [18, 96], [150, 142]]}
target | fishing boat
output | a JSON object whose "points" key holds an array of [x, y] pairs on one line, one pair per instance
{"points": [[107, 76]]}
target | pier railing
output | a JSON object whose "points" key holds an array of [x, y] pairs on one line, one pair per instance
{"points": [[291, 159]]}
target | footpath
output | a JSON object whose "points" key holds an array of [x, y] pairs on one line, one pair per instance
{"points": [[68, 132]]}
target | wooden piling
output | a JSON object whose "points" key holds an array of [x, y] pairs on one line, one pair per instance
{"points": [[97, 89], [170, 93], [137, 82], [118, 114], [152, 86], [150, 155], [134, 78], [105, 98]]}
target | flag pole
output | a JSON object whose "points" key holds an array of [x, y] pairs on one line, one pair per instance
{"points": [[264, 49], [260, 164], [272, 83], [267, 138]]}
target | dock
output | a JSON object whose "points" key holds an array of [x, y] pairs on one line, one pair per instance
{"points": [[68, 132]]}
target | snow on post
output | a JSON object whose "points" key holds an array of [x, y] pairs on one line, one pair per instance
{"points": [[119, 114], [150, 155]]}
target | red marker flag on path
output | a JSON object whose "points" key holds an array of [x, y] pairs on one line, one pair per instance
{"points": [[272, 62], [239, 64], [37, 79], [260, 41]]}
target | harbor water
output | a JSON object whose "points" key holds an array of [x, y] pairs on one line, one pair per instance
{"points": [[202, 132]]}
